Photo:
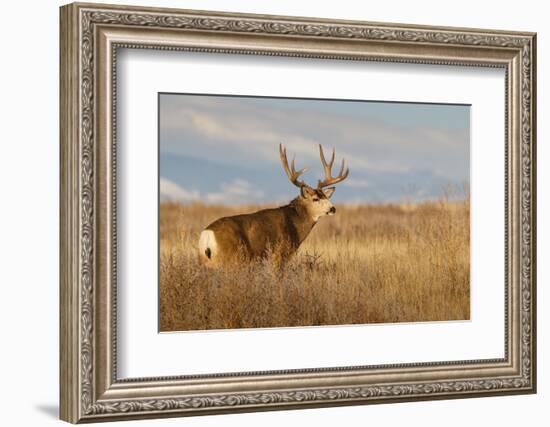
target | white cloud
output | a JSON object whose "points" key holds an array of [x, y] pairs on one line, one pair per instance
{"points": [[234, 192], [365, 142], [170, 191], [357, 183], [238, 191], [239, 130]]}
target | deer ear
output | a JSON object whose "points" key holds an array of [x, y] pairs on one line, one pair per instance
{"points": [[329, 192], [305, 191]]}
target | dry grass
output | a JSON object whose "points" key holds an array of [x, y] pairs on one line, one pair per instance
{"points": [[367, 264]]}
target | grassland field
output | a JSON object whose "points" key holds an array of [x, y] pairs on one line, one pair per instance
{"points": [[367, 264]]}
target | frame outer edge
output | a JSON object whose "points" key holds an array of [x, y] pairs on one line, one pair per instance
{"points": [[69, 355], [305, 19], [533, 112]]}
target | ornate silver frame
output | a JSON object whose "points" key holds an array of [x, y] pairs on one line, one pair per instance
{"points": [[90, 36]]}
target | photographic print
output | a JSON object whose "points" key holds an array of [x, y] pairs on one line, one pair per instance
{"points": [[280, 212]]}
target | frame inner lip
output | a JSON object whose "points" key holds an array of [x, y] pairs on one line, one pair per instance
{"points": [[340, 370]]}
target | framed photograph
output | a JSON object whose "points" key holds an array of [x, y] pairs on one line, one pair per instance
{"points": [[266, 212]]}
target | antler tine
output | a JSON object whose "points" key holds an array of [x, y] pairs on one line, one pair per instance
{"points": [[291, 171], [342, 168], [323, 160], [329, 179]]}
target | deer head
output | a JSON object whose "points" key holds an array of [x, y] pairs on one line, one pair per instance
{"points": [[315, 200]]}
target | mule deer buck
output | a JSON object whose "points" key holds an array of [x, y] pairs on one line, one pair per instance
{"points": [[278, 231]]}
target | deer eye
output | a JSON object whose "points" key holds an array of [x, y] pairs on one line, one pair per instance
{"points": [[316, 199]]}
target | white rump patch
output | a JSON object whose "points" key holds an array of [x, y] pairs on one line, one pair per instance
{"points": [[207, 244]]}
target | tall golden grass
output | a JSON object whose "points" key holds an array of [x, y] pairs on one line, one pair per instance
{"points": [[367, 264]]}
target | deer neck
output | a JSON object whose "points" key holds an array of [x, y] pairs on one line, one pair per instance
{"points": [[301, 219]]}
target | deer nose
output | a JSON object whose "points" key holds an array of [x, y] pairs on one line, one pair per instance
{"points": [[332, 209]]}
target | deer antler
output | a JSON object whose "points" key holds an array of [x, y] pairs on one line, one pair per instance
{"points": [[291, 172], [329, 180]]}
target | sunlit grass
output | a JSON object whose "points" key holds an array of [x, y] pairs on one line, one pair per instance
{"points": [[366, 264]]}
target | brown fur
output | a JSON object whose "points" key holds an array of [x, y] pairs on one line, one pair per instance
{"points": [[278, 231]]}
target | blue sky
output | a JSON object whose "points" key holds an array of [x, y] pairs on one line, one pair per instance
{"points": [[224, 149]]}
